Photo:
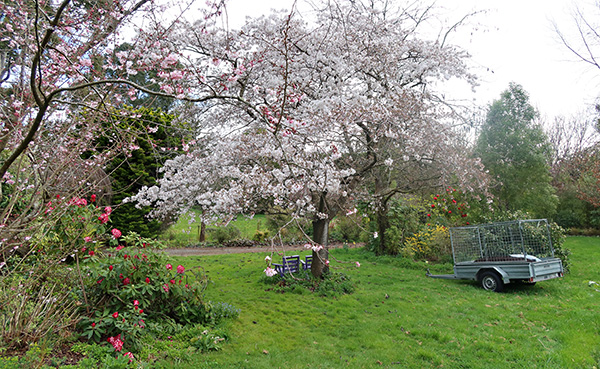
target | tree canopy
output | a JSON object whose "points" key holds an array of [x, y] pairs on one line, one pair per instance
{"points": [[517, 154]]}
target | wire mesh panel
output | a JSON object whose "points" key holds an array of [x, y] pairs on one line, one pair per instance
{"points": [[519, 240]]}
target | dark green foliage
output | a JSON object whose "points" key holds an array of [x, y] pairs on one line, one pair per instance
{"points": [[330, 285], [140, 168], [516, 152], [225, 234], [347, 228]]}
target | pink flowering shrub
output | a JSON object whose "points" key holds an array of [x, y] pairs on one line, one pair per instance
{"points": [[133, 286]]}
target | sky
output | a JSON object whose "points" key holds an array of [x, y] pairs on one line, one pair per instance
{"points": [[509, 41]]}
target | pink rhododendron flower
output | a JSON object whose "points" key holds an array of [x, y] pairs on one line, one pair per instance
{"points": [[87, 239], [180, 269], [327, 262], [147, 280], [108, 210], [116, 342], [136, 303], [115, 314], [116, 233], [141, 311], [120, 247], [166, 287], [91, 253], [172, 281], [357, 264], [93, 199], [169, 267]]}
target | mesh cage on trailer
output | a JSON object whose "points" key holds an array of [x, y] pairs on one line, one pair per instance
{"points": [[519, 240]]}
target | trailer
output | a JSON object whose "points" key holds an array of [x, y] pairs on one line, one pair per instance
{"points": [[500, 253]]}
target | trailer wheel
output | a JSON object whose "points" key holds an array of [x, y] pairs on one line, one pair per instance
{"points": [[491, 281]]}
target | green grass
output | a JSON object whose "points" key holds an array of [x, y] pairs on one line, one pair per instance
{"points": [[184, 233], [425, 323]]}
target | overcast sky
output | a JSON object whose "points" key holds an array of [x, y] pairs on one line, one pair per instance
{"points": [[513, 40]]}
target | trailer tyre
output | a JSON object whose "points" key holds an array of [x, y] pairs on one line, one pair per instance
{"points": [[491, 281]]}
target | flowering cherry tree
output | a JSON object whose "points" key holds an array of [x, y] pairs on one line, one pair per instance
{"points": [[316, 110]]}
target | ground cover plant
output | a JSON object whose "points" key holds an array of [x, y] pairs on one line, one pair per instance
{"points": [[397, 317]]}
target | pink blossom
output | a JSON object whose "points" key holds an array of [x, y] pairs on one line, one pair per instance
{"points": [[103, 218], [126, 281], [87, 239], [120, 247], [166, 287], [116, 233], [147, 280], [176, 75], [129, 355], [93, 198], [136, 303], [357, 264], [116, 342], [108, 210], [169, 266], [327, 262], [270, 272], [180, 269], [115, 314]]}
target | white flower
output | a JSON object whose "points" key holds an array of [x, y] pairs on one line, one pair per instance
{"points": [[388, 162], [270, 272], [375, 234], [267, 258]]}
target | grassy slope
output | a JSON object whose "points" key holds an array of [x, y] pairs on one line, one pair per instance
{"points": [[424, 323], [183, 233]]}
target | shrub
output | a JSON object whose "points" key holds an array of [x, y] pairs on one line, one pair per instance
{"points": [[225, 234], [347, 228], [432, 243], [127, 287]]}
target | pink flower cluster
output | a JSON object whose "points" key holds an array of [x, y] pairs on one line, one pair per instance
{"points": [[103, 218], [78, 201], [116, 342]]}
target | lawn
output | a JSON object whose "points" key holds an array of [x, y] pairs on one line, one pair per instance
{"points": [[186, 232], [399, 318]]}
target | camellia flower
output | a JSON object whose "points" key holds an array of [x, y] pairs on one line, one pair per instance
{"points": [[115, 314], [357, 264], [141, 311], [169, 267], [270, 272], [116, 233], [180, 269], [93, 198], [147, 280], [136, 303], [172, 281], [108, 210]]}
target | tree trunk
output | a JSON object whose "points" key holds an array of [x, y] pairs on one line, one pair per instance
{"points": [[202, 235], [383, 223], [320, 236]]}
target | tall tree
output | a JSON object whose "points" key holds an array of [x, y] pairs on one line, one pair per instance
{"points": [[517, 154], [338, 101]]}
